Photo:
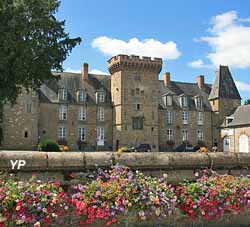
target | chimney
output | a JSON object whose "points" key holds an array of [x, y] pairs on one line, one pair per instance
{"points": [[166, 79], [85, 71], [200, 81]]}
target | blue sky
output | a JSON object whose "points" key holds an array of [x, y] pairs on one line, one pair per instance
{"points": [[193, 37]]}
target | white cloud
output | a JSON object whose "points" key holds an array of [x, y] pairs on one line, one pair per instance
{"points": [[72, 70], [98, 72], [199, 64], [146, 47], [242, 86], [229, 40]]}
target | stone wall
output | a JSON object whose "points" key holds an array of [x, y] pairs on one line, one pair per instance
{"points": [[176, 166]]}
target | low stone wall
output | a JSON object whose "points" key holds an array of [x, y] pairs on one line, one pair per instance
{"points": [[176, 166]]}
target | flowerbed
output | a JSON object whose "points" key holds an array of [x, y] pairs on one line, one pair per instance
{"points": [[117, 193]]}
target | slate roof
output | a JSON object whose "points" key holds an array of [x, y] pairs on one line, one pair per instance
{"points": [[241, 117], [224, 86], [72, 82], [188, 89]]}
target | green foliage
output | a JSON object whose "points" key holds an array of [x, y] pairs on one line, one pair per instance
{"points": [[247, 102], [32, 44], [48, 145]]}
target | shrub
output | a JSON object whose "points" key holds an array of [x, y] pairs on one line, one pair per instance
{"points": [[48, 145], [124, 149]]}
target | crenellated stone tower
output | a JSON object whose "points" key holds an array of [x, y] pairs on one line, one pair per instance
{"points": [[135, 92]]}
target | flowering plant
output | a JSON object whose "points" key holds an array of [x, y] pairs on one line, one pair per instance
{"points": [[31, 203], [120, 191], [210, 196]]}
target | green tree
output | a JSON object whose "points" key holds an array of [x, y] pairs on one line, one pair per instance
{"points": [[247, 102], [33, 43]]}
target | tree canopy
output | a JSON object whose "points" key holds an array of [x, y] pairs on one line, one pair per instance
{"points": [[247, 102], [33, 43]]}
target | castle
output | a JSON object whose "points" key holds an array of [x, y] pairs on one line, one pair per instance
{"points": [[127, 108]]}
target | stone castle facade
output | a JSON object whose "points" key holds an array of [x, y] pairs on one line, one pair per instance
{"points": [[127, 108]]}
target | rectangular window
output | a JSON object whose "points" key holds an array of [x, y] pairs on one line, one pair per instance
{"points": [[100, 134], [100, 97], [169, 100], [82, 96], [62, 133], [137, 91], [137, 106], [29, 108], [183, 101], [137, 123], [198, 103], [82, 113], [169, 117], [62, 93], [185, 117], [82, 134], [62, 112], [100, 113], [184, 135], [200, 118], [200, 135], [169, 134]]}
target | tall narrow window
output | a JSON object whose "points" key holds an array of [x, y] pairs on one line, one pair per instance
{"points": [[198, 103], [169, 134], [137, 123], [82, 96], [185, 117], [169, 99], [100, 97], [62, 133], [26, 134], [183, 101], [100, 133], [100, 113], [62, 93], [82, 134], [200, 118], [169, 117], [184, 135], [29, 107], [62, 112], [82, 113], [200, 136]]}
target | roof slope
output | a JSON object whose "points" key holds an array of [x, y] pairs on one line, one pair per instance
{"points": [[224, 86], [241, 116]]}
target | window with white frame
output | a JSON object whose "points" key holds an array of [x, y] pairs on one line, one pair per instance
{"points": [[62, 132], [184, 135], [169, 134], [82, 96], [198, 103], [100, 133], [183, 101], [100, 97], [169, 117], [62, 112], [63, 94], [169, 99], [200, 118], [100, 114], [82, 134], [185, 117], [82, 113], [200, 135]]}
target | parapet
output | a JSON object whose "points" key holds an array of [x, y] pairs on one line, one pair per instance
{"points": [[133, 62]]}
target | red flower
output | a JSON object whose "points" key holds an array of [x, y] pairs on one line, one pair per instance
{"points": [[57, 184]]}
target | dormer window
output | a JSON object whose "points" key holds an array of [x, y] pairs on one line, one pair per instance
{"points": [[63, 94], [169, 100], [183, 101], [100, 97], [229, 120], [198, 102], [81, 96]]}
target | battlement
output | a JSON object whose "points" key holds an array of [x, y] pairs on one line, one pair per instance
{"points": [[134, 62]]}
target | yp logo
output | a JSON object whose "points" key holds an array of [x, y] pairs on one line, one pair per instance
{"points": [[17, 164]]}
